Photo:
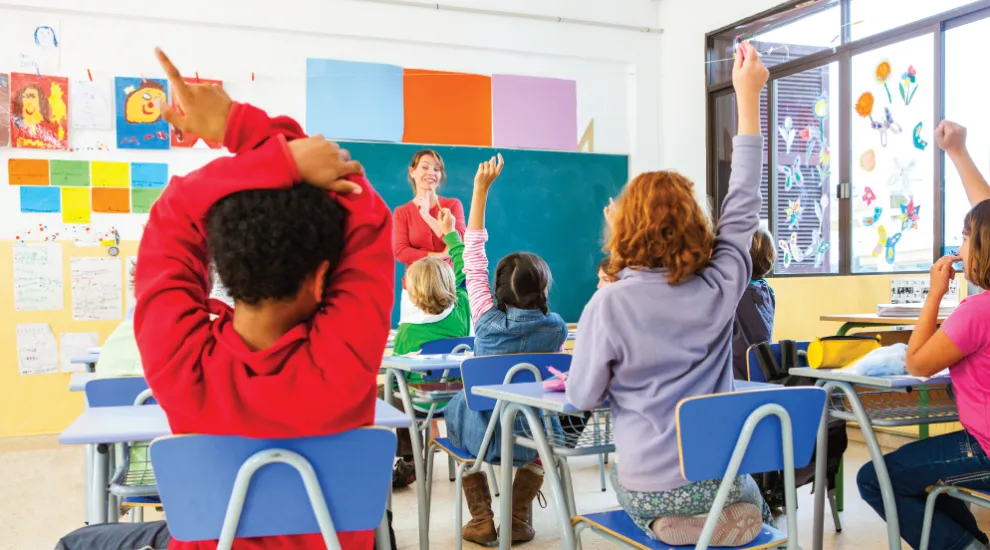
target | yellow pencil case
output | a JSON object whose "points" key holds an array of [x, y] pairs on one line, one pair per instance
{"points": [[835, 352]]}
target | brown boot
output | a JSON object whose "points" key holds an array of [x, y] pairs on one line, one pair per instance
{"points": [[481, 528], [525, 487]]}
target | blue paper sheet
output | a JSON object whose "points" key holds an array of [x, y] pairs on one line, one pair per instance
{"points": [[353, 100], [41, 199], [149, 175]]}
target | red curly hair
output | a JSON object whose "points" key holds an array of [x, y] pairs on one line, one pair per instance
{"points": [[660, 224]]}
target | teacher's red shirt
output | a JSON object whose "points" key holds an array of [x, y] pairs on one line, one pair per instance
{"points": [[412, 238]]}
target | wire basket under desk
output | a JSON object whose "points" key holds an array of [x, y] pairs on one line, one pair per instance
{"points": [[597, 436], [900, 408]]}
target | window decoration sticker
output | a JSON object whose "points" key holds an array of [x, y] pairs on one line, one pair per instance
{"points": [[796, 253], [918, 142], [793, 212], [881, 242], [891, 243], [908, 85], [868, 161], [787, 133], [824, 165], [899, 182], [873, 218], [910, 214], [792, 173], [864, 105], [869, 196], [886, 125], [785, 247], [883, 73]]}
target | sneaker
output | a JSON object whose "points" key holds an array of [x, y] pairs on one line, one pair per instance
{"points": [[404, 474]]}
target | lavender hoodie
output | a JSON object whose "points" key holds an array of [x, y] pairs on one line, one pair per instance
{"points": [[645, 344]]}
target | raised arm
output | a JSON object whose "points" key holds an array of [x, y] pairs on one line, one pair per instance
{"points": [[475, 259], [731, 265], [951, 137], [455, 246]]}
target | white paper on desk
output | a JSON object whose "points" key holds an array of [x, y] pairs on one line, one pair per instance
{"points": [[38, 281], [96, 289], [37, 350], [939, 374], [74, 344]]}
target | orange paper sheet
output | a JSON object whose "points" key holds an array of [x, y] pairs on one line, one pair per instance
{"points": [[447, 108], [111, 200], [27, 171]]}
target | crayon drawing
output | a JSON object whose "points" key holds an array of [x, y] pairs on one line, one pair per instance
{"points": [[92, 104], [180, 139], [38, 44], [139, 119], [38, 111], [4, 109]]}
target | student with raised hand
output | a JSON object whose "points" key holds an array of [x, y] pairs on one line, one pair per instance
{"points": [[302, 242], [962, 345], [662, 332]]}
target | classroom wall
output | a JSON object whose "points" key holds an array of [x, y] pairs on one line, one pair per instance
{"points": [[617, 74]]}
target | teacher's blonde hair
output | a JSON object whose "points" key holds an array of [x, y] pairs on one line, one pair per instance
{"points": [[431, 286]]}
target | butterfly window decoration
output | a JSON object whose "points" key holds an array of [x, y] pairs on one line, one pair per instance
{"points": [[872, 219], [869, 196], [785, 247], [899, 182], [792, 174], [886, 245], [787, 133], [885, 126], [910, 214], [793, 212], [919, 143]]}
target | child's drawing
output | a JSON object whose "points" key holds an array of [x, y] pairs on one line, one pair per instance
{"points": [[4, 109], [92, 104], [38, 111], [139, 119], [38, 45]]}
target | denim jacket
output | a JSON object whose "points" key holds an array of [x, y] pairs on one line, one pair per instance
{"points": [[518, 331]]}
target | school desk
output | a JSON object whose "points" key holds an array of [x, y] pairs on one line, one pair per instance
{"points": [[892, 401], [852, 321], [77, 382], [89, 360], [104, 426], [529, 399]]}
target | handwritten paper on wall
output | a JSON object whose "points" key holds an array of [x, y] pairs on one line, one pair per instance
{"points": [[74, 344], [37, 41], [38, 281], [97, 293], [92, 104], [37, 350]]}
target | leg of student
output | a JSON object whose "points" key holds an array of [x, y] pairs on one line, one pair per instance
{"points": [[953, 458], [117, 536]]}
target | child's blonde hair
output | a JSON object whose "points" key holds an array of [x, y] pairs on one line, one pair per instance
{"points": [[763, 254], [431, 286]]}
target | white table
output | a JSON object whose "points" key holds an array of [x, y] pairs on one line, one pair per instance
{"points": [[890, 406], [528, 398], [395, 369]]}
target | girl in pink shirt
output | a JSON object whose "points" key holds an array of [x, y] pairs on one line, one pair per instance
{"points": [[962, 345]]}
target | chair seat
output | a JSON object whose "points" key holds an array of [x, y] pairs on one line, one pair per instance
{"points": [[141, 501], [448, 447], [618, 524]]}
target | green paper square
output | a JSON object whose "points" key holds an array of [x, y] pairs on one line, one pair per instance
{"points": [[70, 173], [142, 199]]}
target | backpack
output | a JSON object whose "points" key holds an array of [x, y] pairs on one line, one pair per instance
{"points": [[772, 483]]}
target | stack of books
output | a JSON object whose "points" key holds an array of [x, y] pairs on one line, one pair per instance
{"points": [[910, 311]]}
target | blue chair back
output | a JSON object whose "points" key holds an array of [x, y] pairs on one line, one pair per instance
{"points": [[440, 347], [491, 370], [753, 360], [709, 426], [116, 392], [196, 479]]}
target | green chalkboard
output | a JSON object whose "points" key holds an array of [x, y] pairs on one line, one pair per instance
{"points": [[548, 203]]}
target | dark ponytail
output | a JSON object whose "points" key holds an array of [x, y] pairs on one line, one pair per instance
{"points": [[522, 281]]}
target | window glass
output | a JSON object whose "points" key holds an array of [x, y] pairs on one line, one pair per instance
{"points": [[871, 17], [807, 227], [726, 123], [892, 163]]}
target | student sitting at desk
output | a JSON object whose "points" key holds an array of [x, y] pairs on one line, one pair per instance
{"points": [[306, 256], [754, 314], [442, 311], [962, 345], [662, 332]]}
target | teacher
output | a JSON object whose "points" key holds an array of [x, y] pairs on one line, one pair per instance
{"points": [[416, 233]]}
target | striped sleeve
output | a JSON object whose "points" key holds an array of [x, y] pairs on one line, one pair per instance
{"points": [[476, 272]]}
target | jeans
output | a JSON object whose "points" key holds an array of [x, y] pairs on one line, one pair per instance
{"points": [[955, 459], [466, 429]]}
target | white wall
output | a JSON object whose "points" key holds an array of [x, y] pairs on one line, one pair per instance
{"points": [[682, 127], [617, 71]]}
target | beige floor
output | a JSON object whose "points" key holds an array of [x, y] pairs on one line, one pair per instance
{"points": [[41, 498]]}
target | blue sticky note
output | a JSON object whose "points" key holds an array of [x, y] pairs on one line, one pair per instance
{"points": [[41, 199], [139, 120], [354, 101], [149, 175]]}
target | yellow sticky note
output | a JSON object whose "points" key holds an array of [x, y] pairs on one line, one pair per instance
{"points": [[75, 205], [111, 174]]}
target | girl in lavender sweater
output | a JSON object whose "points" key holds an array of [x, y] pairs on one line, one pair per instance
{"points": [[663, 331]]}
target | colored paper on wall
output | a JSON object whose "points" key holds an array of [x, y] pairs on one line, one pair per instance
{"points": [[145, 175], [4, 109], [39, 199], [353, 100], [447, 108], [534, 113], [111, 200], [139, 120], [142, 199], [111, 174], [39, 111], [69, 173], [92, 104], [27, 171], [75, 205], [182, 139]]}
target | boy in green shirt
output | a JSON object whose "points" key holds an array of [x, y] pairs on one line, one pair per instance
{"points": [[444, 312]]}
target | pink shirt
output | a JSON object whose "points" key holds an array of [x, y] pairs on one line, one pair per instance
{"points": [[969, 329]]}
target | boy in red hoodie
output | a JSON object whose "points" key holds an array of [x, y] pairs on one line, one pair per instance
{"points": [[310, 268]]}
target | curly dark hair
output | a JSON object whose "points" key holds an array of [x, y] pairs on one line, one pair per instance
{"points": [[522, 281], [266, 242]]}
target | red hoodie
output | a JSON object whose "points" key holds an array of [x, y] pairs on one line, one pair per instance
{"points": [[318, 378]]}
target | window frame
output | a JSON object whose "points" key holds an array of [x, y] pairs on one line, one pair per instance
{"points": [[842, 54]]}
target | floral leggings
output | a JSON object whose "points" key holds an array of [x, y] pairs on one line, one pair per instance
{"points": [[690, 500]]}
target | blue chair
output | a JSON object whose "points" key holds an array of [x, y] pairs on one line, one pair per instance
{"points": [[227, 487], [725, 435], [449, 345], [969, 496], [484, 371], [132, 481]]}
